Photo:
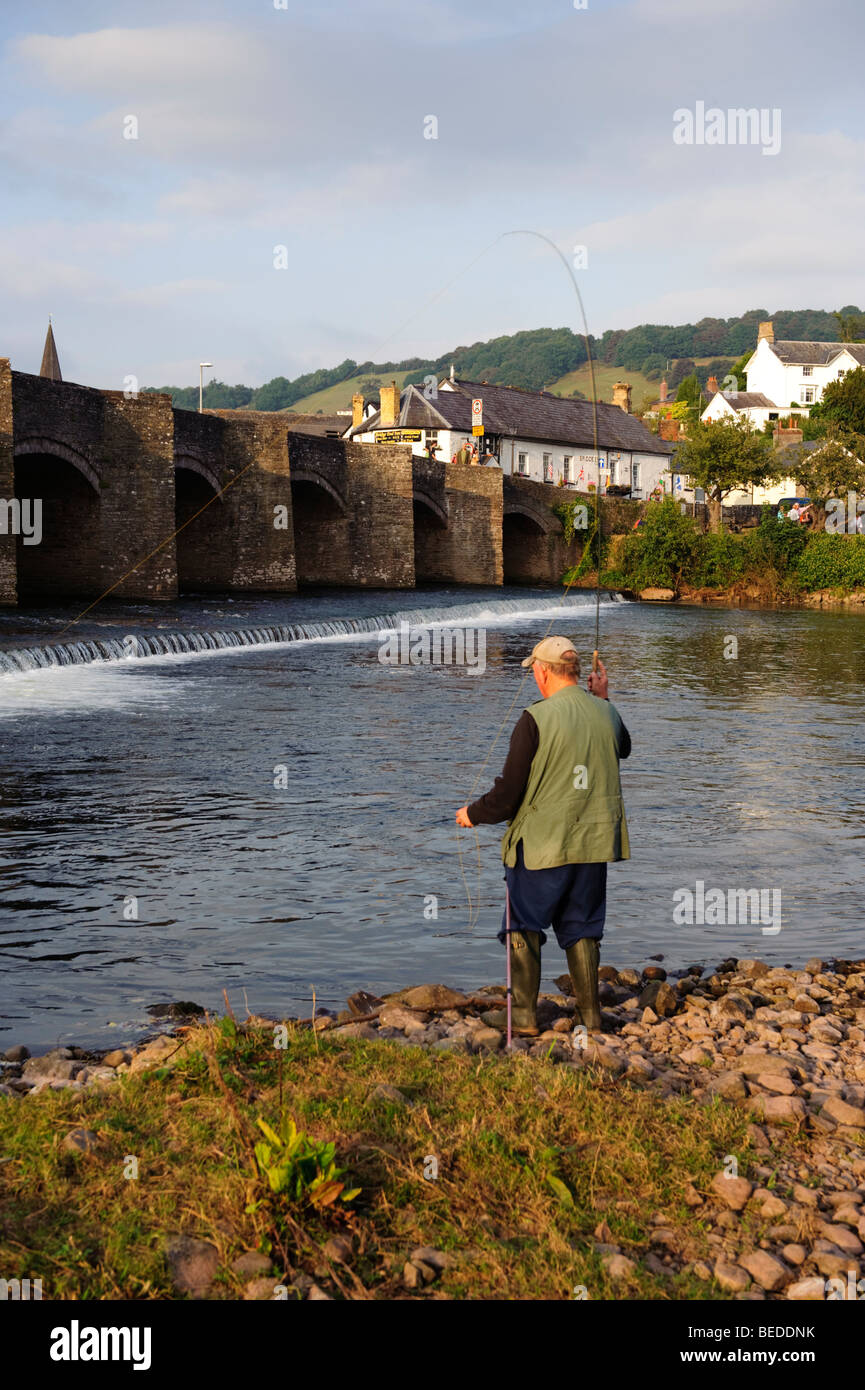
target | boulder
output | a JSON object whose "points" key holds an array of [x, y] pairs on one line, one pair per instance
{"points": [[654, 595]]}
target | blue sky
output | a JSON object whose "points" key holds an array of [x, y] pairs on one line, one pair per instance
{"points": [[303, 127]]}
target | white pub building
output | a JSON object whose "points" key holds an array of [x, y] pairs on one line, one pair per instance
{"points": [[532, 434]]}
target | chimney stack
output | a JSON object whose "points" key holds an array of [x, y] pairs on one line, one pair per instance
{"points": [[663, 391], [356, 410], [712, 385], [767, 331], [622, 396], [389, 406]]}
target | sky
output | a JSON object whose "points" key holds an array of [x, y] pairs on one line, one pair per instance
{"points": [[304, 125]]}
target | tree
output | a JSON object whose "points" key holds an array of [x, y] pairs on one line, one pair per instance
{"points": [[370, 385], [844, 401], [737, 370], [682, 367], [689, 390], [723, 457], [827, 473], [850, 326]]}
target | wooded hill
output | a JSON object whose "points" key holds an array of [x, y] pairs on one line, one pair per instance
{"points": [[534, 359]]}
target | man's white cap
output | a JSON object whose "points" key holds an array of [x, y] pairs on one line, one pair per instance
{"points": [[551, 649]]}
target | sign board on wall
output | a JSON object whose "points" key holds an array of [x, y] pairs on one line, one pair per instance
{"points": [[397, 436], [477, 416]]}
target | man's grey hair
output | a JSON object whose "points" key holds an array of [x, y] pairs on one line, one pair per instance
{"points": [[569, 666]]}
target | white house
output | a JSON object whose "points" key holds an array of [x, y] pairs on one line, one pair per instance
{"points": [[532, 434], [784, 378], [796, 374]]}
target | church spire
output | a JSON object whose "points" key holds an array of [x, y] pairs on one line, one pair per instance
{"points": [[50, 361]]}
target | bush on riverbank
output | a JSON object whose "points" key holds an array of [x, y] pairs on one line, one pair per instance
{"points": [[832, 562], [778, 557], [503, 1166]]}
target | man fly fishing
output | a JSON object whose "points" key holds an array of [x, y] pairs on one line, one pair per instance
{"points": [[561, 795]]}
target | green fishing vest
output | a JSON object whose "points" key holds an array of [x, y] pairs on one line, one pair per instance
{"points": [[572, 810]]}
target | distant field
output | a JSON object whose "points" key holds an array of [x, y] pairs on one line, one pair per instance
{"points": [[339, 397]]}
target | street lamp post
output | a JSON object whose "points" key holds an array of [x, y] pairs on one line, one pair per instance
{"points": [[201, 367]]}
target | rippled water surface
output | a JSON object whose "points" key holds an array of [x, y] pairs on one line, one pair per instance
{"points": [[154, 779]]}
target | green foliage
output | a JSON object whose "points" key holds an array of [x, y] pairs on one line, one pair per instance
{"points": [[723, 457], [737, 369], [844, 401], [718, 560], [539, 357], [582, 517], [851, 325], [831, 470], [302, 1168], [689, 390], [775, 545], [832, 562], [659, 554]]}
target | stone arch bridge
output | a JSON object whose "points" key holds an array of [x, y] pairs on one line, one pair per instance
{"points": [[254, 505]]}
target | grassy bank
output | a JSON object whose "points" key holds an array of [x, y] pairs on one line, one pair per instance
{"points": [[531, 1158]]}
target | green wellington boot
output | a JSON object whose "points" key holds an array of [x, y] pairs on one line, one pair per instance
{"points": [[582, 960], [525, 983]]}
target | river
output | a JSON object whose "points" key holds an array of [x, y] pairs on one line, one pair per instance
{"points": [[277, 816]]}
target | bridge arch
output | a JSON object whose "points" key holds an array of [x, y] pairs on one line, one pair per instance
{"points": [[205, 542], [60, 497], [431, 553], [56, 448], [529, 537], [194, 464], [322, 524]]}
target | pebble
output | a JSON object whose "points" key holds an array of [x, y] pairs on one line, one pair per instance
{"points": [[765, 1270], [732, 1278], [193, 1264], [81, 1141], [734, 1192]]}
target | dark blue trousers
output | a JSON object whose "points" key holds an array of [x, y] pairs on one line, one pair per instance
{"points": [[572, 899]]}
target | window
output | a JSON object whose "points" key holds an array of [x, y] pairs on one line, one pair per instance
{"points": [[807, 371], [548, 468], [566, 468], [432, 437], [635, 477], [806, 395], [522, 463]]}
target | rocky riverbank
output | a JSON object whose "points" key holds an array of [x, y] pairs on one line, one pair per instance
{"points": [[784, 1045]]}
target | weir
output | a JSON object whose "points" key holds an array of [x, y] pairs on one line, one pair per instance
{"points": [[139, 647]]}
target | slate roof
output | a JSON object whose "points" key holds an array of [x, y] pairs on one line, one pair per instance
{"points": [[537, 415], [322, 425], [792, 353], [744, 400]]}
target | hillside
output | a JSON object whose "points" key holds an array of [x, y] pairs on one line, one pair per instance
{"points": [[554, 358]]}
